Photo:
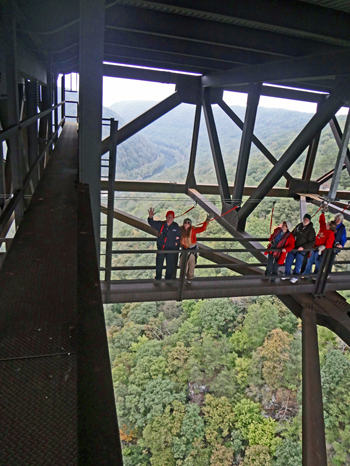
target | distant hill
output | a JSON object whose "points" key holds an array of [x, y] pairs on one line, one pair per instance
{"points": [[276, 128], [161, 150]]}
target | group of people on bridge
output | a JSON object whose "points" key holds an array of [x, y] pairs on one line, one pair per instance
{"points": [[171, 237], [303, 247], [300, 245]]}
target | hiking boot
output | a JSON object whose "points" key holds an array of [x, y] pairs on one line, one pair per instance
{"points": [[285, 277], [293, 279]]}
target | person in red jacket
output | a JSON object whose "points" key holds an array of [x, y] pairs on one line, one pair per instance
{"points": [[188, 240], [324, 240], [283, 240]]}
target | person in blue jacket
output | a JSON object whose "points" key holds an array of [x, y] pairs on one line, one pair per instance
{"points": [[340, 235], [168, 239]]}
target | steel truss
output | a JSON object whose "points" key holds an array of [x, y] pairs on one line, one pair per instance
{"points": [[319, 303], [250, 49]]}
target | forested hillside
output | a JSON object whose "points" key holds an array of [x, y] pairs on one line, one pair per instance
{"points": [[215, 382], [276, 128]]}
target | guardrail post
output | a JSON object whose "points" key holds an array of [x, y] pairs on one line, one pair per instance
{"points": [[110, 202], [63, 98], [182, 274], [323, 272]]}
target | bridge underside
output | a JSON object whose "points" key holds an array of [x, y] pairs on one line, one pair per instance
{"points": [[49, 277]]}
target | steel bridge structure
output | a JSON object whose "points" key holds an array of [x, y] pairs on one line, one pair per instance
{"points": [[56, 397]]}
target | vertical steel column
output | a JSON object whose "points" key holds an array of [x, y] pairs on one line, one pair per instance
{"points": [[55, 101], [246, 142], [340, 159], [43, 130], [49, 96], [32, 131], [10, 46], [216, 150], [63, 97], [191, 180], [92, 18], [311, 154], [110, 202], [313, 435], [2, 179]]}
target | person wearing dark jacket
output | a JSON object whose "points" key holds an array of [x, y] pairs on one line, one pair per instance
{"points": [[305, 237], [168, 239], [340, 235], [283, 240], [324, 240]]}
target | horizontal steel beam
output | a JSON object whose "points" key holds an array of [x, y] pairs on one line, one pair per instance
{"points": [[206, 189], [286, 18], [29, 66], [233, 32], [125, 291], [327, 65]]}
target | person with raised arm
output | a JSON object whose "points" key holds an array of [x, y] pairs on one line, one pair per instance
{"points": [[168, 239], [283, 240], [324, 240], [188, 240]]}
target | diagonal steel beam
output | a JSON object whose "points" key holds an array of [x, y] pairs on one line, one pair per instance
{"points": [[343, 148], [143, 120], [246, 142], [235, 118], [216, 150], [315, 125], [311, 153], [191, 180], [338, 134]]}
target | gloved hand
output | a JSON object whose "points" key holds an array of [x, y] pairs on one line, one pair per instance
{"points": [[209, 217], [324, 207], [321, 249]]}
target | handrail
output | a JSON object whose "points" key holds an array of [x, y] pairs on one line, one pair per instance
{"points": [[6, 133], [11, 206], [180, 251]]}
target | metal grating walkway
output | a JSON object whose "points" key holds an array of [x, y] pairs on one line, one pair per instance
{"points": [[38, 318], [56, 405]]}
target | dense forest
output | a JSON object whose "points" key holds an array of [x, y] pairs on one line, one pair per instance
{"points": [[215, 382], [218, 382]]}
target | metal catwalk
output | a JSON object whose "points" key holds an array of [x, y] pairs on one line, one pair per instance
{"points": [[39, 325]]}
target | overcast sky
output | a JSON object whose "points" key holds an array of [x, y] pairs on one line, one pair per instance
{"points": [[116, 90]]}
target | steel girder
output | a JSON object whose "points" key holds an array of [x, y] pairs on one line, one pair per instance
{"points": [[342, 157], [315, 125], [311, 67], [207, 189], [90, 100], [216, 150], [144, 120], [246, 141], [255, 140], [190, 180]]}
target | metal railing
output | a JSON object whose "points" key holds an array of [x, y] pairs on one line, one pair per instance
{"points": [[321, 276], [18, 196]]}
